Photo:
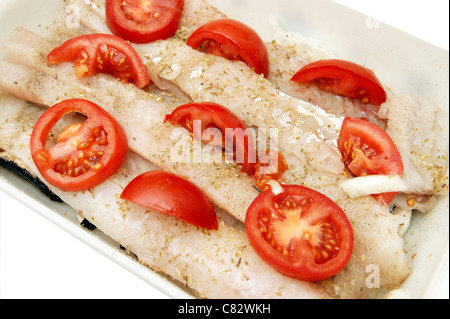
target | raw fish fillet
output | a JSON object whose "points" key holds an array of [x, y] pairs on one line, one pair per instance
{"points": [[141, 114], [215, 264], [196, 75]]}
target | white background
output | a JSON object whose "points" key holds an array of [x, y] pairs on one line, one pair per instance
{"points": [[67, 268]]}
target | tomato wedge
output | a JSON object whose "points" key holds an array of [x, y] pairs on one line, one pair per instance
{"points": [[102, 53], [142, 21], [300, 233], [232, 40], [171, 195], [239, 145], [343, 78], [368, 150], [86, 153]]}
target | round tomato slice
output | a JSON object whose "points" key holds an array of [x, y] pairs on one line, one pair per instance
{"points": [[102, 53], [171, 195], [237, 140], [343, 78], [86, 153], [142, 21], [300, 233], [232, 40], [368, 150]]}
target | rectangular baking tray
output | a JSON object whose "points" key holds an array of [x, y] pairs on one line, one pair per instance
{"points": [[405, 64]]}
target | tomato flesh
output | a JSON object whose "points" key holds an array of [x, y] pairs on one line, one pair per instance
{"points": [[263, 167], [240, 146], [300, 233], [171, 195], [343, 78], [368, 150], [270, 165], [232, 40], [142, 21], [102, 53], [86, 154]]}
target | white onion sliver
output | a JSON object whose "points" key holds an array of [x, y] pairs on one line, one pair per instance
{"points": [[373, 184]]}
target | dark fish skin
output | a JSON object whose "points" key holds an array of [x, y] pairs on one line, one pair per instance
{"points": [[27, 176]]}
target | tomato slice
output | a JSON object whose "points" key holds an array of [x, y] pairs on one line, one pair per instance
{"points": [[86, 153], [143, 21], [232, 40], [368, 150], [102, 53], [171, 195], [300, 233], [343, 78], [239, 145]]}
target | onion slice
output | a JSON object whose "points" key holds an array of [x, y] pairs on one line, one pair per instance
{"points": [[373, 184]]}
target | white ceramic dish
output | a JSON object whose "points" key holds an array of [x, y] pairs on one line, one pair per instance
{"points": [[403, 62]]}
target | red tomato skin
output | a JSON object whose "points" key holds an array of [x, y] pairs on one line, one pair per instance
{"points": [[244, 39], [71, 51], [158, 29], [111, 161], [223, 118], [302, 266], [353, 79], [171, 195], [390, 163]]}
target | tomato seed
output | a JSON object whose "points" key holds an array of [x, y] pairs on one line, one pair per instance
{"points": [[43, 157], [122, 61], [307, 236], [97, 166], [411, 202]]}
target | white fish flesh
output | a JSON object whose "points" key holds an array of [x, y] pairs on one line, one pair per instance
{"points": [[420, 131]]}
